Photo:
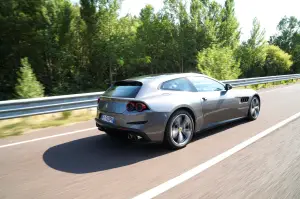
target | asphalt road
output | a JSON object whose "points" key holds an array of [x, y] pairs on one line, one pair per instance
{"points": [[267, 169], [87, 164]]}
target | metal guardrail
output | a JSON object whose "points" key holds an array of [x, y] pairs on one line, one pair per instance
{"points": [[260, 80], [37, 106]]}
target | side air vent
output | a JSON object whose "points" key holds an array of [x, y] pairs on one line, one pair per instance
{"points": [[244, 99]]}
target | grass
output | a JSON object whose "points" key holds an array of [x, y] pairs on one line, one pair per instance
{"points": [[13, 127]]}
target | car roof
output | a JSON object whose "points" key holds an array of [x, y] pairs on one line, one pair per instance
{"points": [[152, 82], [158, 78]]}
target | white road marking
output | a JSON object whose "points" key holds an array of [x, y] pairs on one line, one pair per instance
{"points": [[47, 137], [202, 167]]}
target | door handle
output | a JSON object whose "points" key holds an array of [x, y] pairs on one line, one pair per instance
{"points": [[204, 99]]}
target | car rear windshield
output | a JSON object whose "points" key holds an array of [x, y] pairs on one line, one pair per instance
{"points": [[126, 89]]}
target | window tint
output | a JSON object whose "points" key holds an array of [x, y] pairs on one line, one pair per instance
{"points": [[204, 84], [180, 84], [127, 89]]}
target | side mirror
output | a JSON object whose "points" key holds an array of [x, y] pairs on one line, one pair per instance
{"points": [[228, 87]]}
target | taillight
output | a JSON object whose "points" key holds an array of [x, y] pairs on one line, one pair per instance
{"points": [[130, 106], [140, 107], [98, 100], [136, 106]]}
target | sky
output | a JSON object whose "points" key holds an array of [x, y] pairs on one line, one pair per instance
{"points": [[268, 12]]}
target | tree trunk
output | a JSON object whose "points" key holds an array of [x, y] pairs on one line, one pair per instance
{"points": [[110, 72], [181, 64]]}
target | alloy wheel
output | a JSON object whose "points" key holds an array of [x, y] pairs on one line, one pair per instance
{"points": [[181, 129]]}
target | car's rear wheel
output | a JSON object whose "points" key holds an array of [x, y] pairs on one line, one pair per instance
{"points": [[179, 130], [254, 108]]}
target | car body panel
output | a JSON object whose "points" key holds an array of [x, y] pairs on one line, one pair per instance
{"points": [[207, 108], [153, 128]]}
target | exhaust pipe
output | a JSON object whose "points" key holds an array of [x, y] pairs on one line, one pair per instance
{"points": [[132, 137]]}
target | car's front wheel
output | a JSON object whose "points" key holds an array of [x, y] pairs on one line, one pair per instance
{"points": [[254, 108], [179, 130]]}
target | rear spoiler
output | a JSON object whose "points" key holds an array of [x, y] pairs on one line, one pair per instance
{"points": [[119, 99], [128, 82]]}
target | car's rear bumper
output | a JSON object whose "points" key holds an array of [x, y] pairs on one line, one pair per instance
{"points": [[103, 126], [148, 125]]}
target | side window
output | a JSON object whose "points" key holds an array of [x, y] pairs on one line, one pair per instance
{"points": [[203, 84], [180, 84]]}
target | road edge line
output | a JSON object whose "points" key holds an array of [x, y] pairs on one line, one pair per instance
{"points": [[202, 167], [47, 137]]}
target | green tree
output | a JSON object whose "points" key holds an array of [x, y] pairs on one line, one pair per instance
{"points": [[145, 38], [277, 61], [28, 86], [183, 36], [56, 46], [288, 39], [252, 53], [229, 29], [75, 48], [206, 19], [21, 21], [219, 62]]}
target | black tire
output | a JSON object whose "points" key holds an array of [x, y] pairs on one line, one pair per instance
{"points": [[251, 114], [169, 141]]}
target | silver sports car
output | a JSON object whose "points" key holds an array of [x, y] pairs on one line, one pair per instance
{"points": [[170, 108]]}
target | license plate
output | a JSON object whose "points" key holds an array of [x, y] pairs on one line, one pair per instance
{"points": [[107, 118]]}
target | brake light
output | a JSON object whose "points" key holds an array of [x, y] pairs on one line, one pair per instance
{"points": [[98, 100], [130, 106], [140, 107], [136, 106]]}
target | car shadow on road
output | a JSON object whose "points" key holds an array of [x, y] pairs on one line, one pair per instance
{"points": [[220, 128], [100, 153]]}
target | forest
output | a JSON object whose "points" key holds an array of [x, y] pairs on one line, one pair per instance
{"points": [[55, 47]]}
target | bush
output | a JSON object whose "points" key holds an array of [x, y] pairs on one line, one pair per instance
{"points": [[66, 114], [277, 62], [219, 63], [28, 86]]}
